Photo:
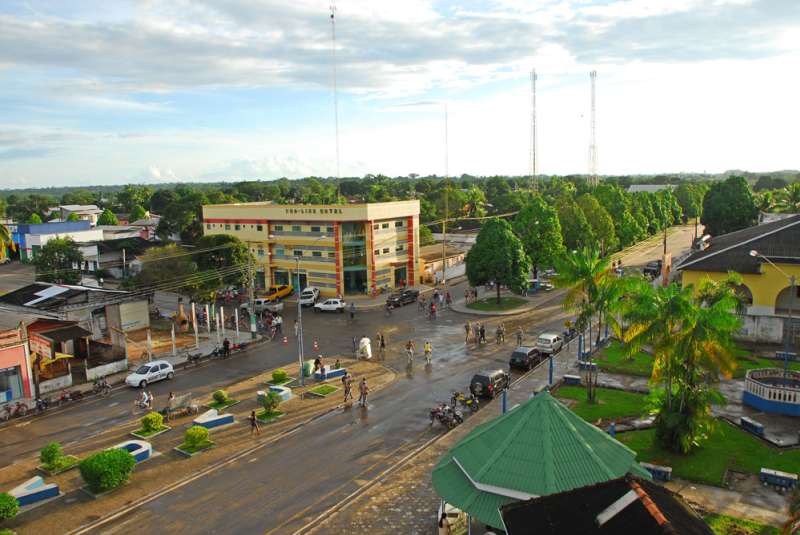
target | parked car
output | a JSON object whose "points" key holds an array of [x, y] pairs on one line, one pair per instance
{"points": [[149, 373], [263, 306], [309, 296], [488, 383], [549, 343], [6, 260], [276, 293], [400, 297], [653, 269], [331, 305], [525, 357]]}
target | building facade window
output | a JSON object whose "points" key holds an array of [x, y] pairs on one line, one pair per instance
{"points": [[227, 227], [331, 255], [238, 227], [278, 227], [316, 253], [386, 250], [208, 226], [398, 223], [330, 230], [377, 252], [259, 227], [385, 225], [314, 229], [261, 252], [376, 226], [296, 228], [399, 248], [279, 252]]}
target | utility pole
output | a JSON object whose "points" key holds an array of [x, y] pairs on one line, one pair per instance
{"points": [[252, 296], [446, 175], [335, 101], [534, 155], [124, 271], [592, 139]]}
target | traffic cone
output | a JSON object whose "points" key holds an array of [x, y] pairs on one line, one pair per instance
{"points": [[316, 347], [285, 341]]}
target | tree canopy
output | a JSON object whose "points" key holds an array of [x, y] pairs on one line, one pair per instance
{"points": [[225, 254], [137, 213], [58, 261], [498, 256], [539, 231], [107, 218], [729, 206]]}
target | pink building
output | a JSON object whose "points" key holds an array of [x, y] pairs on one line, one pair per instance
{"points": [[16, 381]]}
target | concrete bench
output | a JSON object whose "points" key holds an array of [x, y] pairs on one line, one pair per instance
{"points": [[574, 380], [751, 425], [658, 472], [284, 391], [140, 449], [212, 418], [782, 355], [583, 366], [781, 479], [586, 355], [330, 373], [600, 343], [34, 490]]}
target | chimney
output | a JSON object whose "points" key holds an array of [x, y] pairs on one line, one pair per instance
{"points": [[181, 321]]}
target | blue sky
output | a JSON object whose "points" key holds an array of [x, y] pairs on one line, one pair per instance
{"points": [[157, 91]]}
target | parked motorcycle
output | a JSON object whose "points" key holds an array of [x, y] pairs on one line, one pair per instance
{"points": [[471, 401], [216, 353], [101, 387], [75, 395], [437, 414], [192, 359], [41, 405], [241, 347]]}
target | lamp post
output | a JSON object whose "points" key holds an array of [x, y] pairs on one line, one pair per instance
{"points": [[299, 309], [793, 282]]}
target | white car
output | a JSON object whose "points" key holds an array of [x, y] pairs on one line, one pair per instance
{"points": [[150, 372], [263, 306], [549, 343], [309, 296], [331, 305]]}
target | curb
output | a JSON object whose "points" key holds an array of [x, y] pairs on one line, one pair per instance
{"points": [[508, 312]]}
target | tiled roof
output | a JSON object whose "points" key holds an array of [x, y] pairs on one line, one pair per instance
{"points": [[779, 241], [537, 449], [624, 506]]}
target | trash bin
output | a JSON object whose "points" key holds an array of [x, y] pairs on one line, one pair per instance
{"points": [[308, 369]]}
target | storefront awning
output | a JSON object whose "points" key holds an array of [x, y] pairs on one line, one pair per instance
{"points": [[46, 360]]}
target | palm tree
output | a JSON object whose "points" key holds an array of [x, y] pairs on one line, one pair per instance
{"points": [[593, 292], [765, 201], [476, 201], [5, 241], [788, 199]]}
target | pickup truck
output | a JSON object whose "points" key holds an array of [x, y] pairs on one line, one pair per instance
{"points": [[653, 269], [309, 296], [400, 297], [276, 293], [262, 306]]}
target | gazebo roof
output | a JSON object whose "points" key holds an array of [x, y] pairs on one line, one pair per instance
{"points": [[537, 449]]}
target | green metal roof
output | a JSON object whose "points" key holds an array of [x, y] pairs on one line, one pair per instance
{"points": [[537, 449]]}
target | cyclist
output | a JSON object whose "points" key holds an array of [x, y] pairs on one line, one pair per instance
{"points": [[144, 399], [433, 310], [410, 350], [428, 351], [422, 302], [390, 308]]}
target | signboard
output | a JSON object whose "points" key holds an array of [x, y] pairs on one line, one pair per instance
{"points": [[39, 345]]}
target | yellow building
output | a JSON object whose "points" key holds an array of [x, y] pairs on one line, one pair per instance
{"points": [[348, 249], [767, 289]]}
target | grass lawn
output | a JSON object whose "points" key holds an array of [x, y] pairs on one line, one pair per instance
{"points": [[610, 403], [65, 462], [217, 405], [6, 531], [278, 383], [148, 432], [750, 363], [490, 303], [192, 450], [264, 417], [730, 448], [730, 525], [612, 360], [324, 390]]}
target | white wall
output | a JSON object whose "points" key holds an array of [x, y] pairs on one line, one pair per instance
{"points": [[55, 385], [761, 328], [106, 369], [134, 315]]}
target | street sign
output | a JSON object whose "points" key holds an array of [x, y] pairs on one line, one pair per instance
{"points": [[567, 324]]}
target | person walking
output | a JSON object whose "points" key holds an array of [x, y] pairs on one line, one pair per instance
{"points": [[467, 331], [347, 382], [363, 389], [254, 424], [355, 346], [441, 300], [383, 344], [520, 336], [466, 296], [352, 310], [476, 333], [503, 331], [444, 524], [483, 334], [295, 328], [498, 335]]}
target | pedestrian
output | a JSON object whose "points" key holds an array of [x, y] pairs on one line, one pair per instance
{"points": [[347, 383], [503, 331], [295, 328], [337, 365], [254, 424], [520, 336], [150, 399], [378, 340], [483, 334], [102, 282], [226, 348], [339, 296], [240, 298], [363, 389], [318, 362], [355, 347], [279, 321], [498, 335], [476, 333], [444, 524], [466, 296], [467, 331], [352, 310], [441, 300], [383, 344]]}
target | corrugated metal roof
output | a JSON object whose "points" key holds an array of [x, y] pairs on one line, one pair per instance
{"points": [[539, 448]]}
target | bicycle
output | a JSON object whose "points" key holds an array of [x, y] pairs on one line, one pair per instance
{"points": [[140, 406], [389, 311], [422, 304], [10, 410], [428, 356], [410, 355]]}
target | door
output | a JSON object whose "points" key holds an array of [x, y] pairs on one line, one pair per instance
{"points": [[401, 273], [300, 284]]}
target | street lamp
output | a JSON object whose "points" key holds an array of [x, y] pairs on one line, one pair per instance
{"points": [[793, 281], [299, 308]]}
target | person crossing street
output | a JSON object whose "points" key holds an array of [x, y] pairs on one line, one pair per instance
{"points": [[520, 336], [363, 390]]}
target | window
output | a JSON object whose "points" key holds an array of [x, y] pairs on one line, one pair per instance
{"points": [[298, 253], [278, 227], [261, 252], [377, 252], [259, 227], [398, 223], [227, 227], [238, 227], [385, 225], [296, 228], [314, 229], [330, 230], [386, 251], [375, 226], [331, 255], [399, 248], [279, 252], [316, 254], [208, 226]]}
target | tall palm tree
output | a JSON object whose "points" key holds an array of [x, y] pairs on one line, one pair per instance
{"points": [[593, 292], [5, 241], [788, 199], [765, 201]]}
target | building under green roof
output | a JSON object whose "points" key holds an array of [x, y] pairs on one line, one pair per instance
{"points": [[537, 449]]}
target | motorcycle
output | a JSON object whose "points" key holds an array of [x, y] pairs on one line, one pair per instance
{"points": [[41, 405], [217, 352], [437, 414], [432, 314], [101, 387], [242, 347], [272, 333], [471, 401], [156, 314], [75, 395], [192, 359], [454, 414]]}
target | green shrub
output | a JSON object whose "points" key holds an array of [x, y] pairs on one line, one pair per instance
{"points": [[270, 401], [9, 506], [220, 396], [51, 454], [196, 436], [107, 469], [152, 422], [279, 376]]}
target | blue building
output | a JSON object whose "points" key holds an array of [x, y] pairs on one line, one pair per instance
{"points": [[20, 233]]}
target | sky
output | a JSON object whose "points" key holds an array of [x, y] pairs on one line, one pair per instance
{"points": [[150, 91]]}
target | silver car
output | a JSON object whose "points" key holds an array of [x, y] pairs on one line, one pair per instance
{"points": [[549, 343]]}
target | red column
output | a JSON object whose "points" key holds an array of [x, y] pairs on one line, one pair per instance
{"points": [[412, 276], [372, 252], [337, 246]]}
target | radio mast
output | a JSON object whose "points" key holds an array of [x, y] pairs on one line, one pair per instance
{"points": [[335, 101], [592, 139], [534, 156]]}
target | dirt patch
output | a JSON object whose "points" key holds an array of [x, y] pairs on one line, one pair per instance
{"points": [[76, 509]]}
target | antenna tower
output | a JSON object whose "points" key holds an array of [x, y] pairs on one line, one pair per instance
{"points": [[335, 101], [534, 156], [592, 139]]}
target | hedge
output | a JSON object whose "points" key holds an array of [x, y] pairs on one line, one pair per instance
{"points": [[9, 506], [51, 454], [196, 436], [220, 396], [279, 376], [152, 422], [107, 469]]}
